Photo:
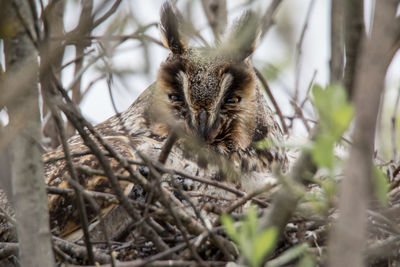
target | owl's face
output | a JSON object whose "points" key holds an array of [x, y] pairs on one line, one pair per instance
{"points": [[211, 91]]}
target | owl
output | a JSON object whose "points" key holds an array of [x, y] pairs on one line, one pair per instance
{"points": [[210, 97]]}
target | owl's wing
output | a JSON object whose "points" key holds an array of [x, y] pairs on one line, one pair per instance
{"points": [[63, 210], [267, 128], [64, 216]]}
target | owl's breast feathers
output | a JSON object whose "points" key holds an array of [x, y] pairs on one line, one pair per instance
{"points": [[134, 130]]}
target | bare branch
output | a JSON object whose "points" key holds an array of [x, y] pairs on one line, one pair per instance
{"points": [[268, 17], [79, 251], [354, 30], [374, 58], [299, 51], [79, 198], [394, 127], [272, 98], [106, 15], [285, 202], [336, 62], [83, 29], [80, 124], [29, 196], [216, 14]]}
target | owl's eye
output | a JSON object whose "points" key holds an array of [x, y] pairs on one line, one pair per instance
{"points": [[174, 97], [233, 100]]}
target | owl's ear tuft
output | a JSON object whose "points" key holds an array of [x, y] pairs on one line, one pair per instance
{"points": [[169, 26], [243, 39]]}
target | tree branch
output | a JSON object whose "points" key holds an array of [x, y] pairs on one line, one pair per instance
{"points": [[217, 16], [354, 30], [336, 62], [349, 235]]}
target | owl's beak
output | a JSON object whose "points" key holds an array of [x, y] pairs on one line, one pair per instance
{"points": [[202, 127]]}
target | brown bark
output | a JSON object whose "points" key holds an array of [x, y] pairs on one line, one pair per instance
{"points": [[349, 236], [83, 30], [337, 42], [29, 196], [54, 51], [354, 31]]}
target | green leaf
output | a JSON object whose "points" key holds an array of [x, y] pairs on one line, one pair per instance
{"points": [[341, 119], [335, 114], [288, 255], [252, 221], [381, 186], [320, 99], [229, 226], [248, 233], [322, 152], [333, 107], [264, 144], [330, 188], [264, 244], [306, 261]]}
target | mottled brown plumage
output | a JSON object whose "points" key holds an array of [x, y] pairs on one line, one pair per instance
{"points": [[212, 95]]}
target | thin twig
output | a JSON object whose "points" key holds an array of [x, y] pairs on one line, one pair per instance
{"points": [[97, 209], [268, 17], [220, 243], [310, 85], [68, 191], [299, 112], [106, 15], [394, 126], [9, 218], [179, 224], [272, 98], [25, 23], [80, 57], [35, 18], [299, 50], [166, 149], [216, 14], [162, 263], [209, 182], [79, 198], [240, 202], [83, 28], [8, 249], [80, 124], [78, 251]]}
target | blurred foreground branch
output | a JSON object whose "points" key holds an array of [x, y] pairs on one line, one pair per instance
{"points": [[29, 196], [349, 236]]}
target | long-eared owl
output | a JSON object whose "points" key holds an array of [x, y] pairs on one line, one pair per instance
{"points": [[210, 96]]}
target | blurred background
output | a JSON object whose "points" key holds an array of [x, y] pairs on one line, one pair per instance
{"points": [[136, 64]]}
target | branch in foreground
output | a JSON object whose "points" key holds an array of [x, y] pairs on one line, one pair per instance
{"points": [[268, 17], [353, 35], [285, 202], [83, 217], [29, 196], [272, 98], [336, 62], [349, 236]]}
